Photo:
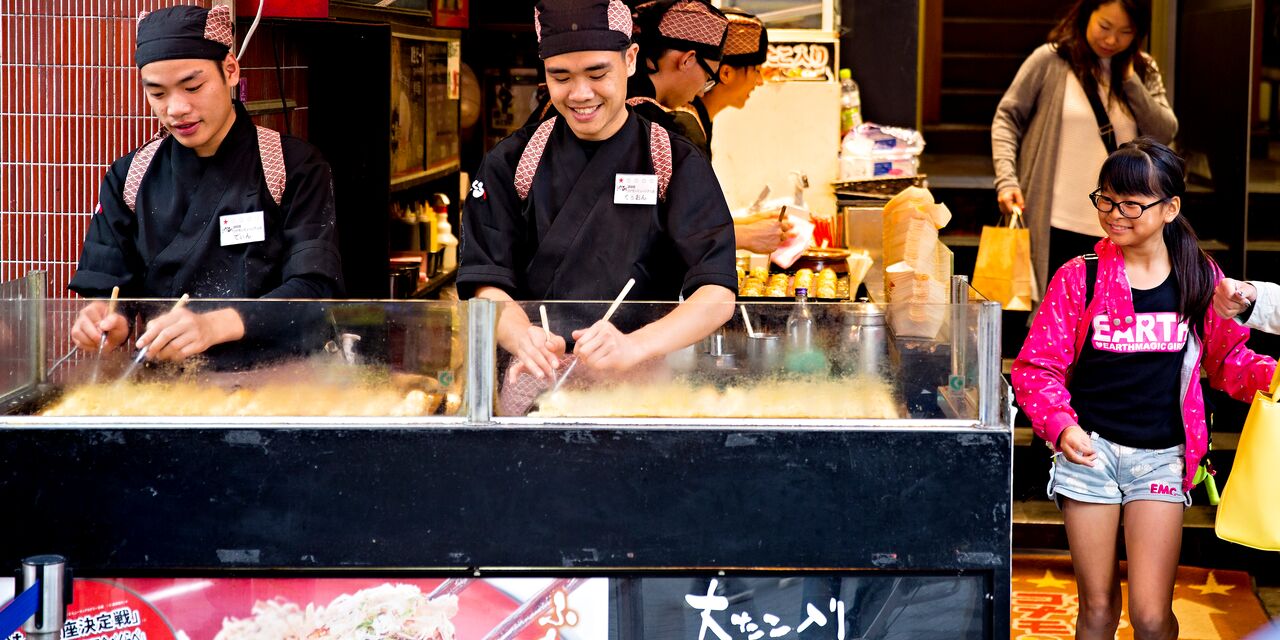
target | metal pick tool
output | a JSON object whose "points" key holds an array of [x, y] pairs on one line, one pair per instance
{"points": [[759, 203], [608, 314], [142, 353], [102, 341]]}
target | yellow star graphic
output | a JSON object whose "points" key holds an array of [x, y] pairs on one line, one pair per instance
{"points": [[1049, 582], [1211, 586]]}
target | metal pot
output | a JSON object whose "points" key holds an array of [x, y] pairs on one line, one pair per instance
{"points": [[864, 340]]}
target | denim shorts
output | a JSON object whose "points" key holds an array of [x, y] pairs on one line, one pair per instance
{"points": [[1120, 475]]}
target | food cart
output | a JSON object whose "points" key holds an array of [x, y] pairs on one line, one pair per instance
{"points": [[727, 491]]}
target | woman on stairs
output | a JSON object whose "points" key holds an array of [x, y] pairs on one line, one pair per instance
{"points": [[1075, 98]]}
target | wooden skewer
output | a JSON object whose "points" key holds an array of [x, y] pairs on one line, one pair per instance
{"points": [[546, 326], [746, 321], [111, 308], [608, 314], [102, 339]]}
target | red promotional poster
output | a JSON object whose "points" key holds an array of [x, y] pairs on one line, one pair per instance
{"points": [[336, 608], [108, 610]]}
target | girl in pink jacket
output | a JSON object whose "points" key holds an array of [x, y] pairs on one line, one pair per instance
{"points": [[1109, 376]]}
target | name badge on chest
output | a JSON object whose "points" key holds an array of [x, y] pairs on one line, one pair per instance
{"points": [[635, 188], [242, 228]]}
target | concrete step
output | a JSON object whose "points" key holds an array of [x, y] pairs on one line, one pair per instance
{"points": [[1223, 441], [962, 170], [1049, 10], [1006, 35], [959, 138], [980, 70], [969, 106], [1046, 513], [1038, 525]]}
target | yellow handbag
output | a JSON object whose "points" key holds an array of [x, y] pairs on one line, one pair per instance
{"points": [[1003, 271], [1249, 511]]}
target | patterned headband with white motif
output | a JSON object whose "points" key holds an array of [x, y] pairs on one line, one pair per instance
{"points": [[684, 25], [747, 43], [566, 26], [184, 32]]}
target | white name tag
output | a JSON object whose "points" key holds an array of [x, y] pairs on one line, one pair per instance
{"points": [[242, 228], [635, 188]]}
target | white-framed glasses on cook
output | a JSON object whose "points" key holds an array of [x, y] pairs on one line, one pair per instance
{"points": [[1128, 208]]}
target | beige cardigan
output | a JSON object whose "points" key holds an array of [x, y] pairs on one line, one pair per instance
{"points": [[1027, 128]]}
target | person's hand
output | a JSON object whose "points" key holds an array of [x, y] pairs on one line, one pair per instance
{"points": [[535, 353], [181, 333], [603, 346], [1232, 297], [1077, 446], [761, 235], [93, 322], [1010, 198]]}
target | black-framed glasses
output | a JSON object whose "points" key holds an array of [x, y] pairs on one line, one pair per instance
{"points": [[713, 76], [1128, 208]]}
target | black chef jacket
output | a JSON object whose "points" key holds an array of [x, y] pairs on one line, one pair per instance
{"points": [[684, 123], [171, 244], [704, 119], [569, 241]]}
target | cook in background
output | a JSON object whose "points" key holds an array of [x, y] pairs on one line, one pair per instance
{"points": [[555, 231], [746, 46], [211, 167], [1045, 139], [681, 45]]}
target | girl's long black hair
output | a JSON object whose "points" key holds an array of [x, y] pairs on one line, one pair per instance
{"points": [[1069, 35], [1147, 167]]}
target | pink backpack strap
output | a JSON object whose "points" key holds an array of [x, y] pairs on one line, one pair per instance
{"points": [[138, 167], [272, 156], [660, 152], [531, 156], [635, 102]]}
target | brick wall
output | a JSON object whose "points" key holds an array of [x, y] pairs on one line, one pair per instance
{"points": [[71, 103]]}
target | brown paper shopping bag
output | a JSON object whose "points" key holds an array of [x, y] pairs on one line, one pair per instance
{"points": [[1003, 272]]}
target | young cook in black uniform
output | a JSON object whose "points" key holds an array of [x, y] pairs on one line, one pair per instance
{"points": [[746, 47], [213, 207], [681, 44], [543, 220]]}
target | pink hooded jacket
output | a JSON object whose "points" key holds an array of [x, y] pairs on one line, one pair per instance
{"points": [[1043, 366]]}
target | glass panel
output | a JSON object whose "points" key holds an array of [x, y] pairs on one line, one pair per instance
{"points": [[830, 360], [17, 339], [782, 14], [299, 358]]}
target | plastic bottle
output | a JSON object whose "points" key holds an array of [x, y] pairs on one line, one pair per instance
{"points": [[850, 103], [800, 323], [447, 240], [803, 354]]}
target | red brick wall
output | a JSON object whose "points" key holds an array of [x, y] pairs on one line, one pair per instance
{"points": [[70, 105]]}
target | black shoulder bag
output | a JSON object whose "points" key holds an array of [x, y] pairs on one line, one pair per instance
{"points": [[1105, 130]]}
